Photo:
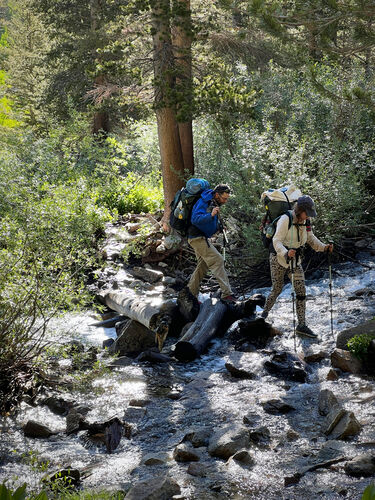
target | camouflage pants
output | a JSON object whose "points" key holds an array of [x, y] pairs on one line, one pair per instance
{"points": [[277, 275], [208, 259]]}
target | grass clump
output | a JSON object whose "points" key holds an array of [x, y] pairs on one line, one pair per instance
{"points": [[359, 345]]}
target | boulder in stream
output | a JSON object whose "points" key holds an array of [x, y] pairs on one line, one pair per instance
{"points": [[346, 361], [361, 466], [34, 429], [287, 366], [327, 401], [277, 407], [148, 275], [341, 424], [185, 453], [134, 338], [228, 441], [344, 336], [156, 488]]}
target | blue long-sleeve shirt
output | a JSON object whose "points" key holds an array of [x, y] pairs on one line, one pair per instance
{"points": [[201, 217]]}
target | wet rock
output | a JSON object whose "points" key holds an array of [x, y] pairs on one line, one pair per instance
{"points": [[74, 421], [134, 413], [292, 435], [327, 401], [121, 325], [314, 354], [154, 357], [107, 343], [243, 457], [330, 450], [277, 407], [251, 418], [185, 453], [68, 477], [199, 437], [256, 331], [345, 361], [333, 374], [157, 488], [260, 436], [156, 458], [58, 405], [121, 361], [227, 441], [36, 430], [344, 336], [139, 402], [240, 365], [361, 466], [174, 395], [287, 366], [134, 338], [341, 424], [198, 470], [148, 275]]}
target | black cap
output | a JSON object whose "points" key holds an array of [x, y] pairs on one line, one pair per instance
{"points": [[306, 204]]}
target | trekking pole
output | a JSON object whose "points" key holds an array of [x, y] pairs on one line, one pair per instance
{"points": [[225, 241], [292, 268], [330, 288]]}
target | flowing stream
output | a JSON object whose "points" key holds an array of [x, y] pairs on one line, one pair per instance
{"points": [[202, 394]]}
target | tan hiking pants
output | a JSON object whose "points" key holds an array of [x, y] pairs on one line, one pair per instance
{"points": [[208, 259]]}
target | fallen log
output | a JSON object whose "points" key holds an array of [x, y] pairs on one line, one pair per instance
{"points": [[204, 328], [153, 313]]}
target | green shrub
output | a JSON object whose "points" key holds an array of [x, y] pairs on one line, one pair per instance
{"points": [[359, 345], [369, 493], [133, 194]]}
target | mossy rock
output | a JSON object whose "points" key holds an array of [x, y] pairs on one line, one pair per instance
{"points": [[344, 336]]}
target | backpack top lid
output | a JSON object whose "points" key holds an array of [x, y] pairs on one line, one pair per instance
{"points": [[290, 193], [195, 186]]}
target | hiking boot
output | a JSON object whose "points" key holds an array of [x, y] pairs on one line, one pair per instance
{"points": [[228, 298], [306, 331], [264, 314]]}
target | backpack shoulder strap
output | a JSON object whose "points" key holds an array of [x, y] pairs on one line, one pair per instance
{"points": [[289, 213]]}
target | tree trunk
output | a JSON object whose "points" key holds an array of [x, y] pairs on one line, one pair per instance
{"points": [[182, 38], [164, 86], [101, 117], [201, 331]]}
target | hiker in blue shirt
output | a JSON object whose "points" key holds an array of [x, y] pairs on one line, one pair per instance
{"points": [[205, 223]]}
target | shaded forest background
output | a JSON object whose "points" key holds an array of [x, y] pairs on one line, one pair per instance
{"points": [[107, 107]]}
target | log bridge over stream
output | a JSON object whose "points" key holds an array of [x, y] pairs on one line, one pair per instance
{"points": [[192, 323]]}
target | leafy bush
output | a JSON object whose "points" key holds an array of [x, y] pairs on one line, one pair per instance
{"points": [[133, 194], [359, 345]]}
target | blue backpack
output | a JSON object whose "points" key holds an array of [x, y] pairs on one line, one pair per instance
{"points": [[183, 203]]}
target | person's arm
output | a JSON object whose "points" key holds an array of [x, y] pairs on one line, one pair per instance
{"points": [[315, 242], [199, 215]]}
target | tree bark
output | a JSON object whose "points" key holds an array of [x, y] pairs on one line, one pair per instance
{"points": [[172, 164], [101, 117], [182, 39], [201, 331]]}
